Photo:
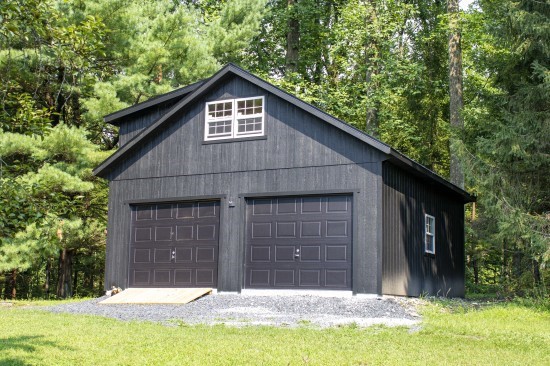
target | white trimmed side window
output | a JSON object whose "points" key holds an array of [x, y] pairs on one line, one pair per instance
{"points": [[234, 118], [429, 235]]}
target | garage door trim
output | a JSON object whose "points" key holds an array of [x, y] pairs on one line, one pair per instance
{"points": [[218, 197]]}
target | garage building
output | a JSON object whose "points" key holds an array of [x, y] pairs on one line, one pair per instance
{"points": [[234, 184]]}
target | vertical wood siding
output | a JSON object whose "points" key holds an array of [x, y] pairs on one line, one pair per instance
{"points": [[406, 269], [132, 125], [300, 154]]}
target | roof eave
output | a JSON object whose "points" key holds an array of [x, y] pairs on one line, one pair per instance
{"points": [[400, 159]]}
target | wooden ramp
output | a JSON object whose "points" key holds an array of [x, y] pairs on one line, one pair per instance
{"points": [[157, 296]]}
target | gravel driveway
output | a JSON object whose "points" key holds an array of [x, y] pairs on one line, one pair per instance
{"points": [[243, 310]]}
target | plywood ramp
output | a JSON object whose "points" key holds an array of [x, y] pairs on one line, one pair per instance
{"points": [[157, 296]]}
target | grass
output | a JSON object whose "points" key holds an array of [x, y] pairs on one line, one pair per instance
{"points": [[37, 302], [504, 334]]}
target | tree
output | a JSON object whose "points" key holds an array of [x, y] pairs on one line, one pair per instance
{"points": [[506, 141], [61, 214], [455, 89]]}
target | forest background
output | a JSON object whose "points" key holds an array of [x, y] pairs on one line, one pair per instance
{"points": [[457, 89]]}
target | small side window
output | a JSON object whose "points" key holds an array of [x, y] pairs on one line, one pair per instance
{"points": [[429, 234]]}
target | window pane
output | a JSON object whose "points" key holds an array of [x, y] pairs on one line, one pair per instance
{"points": [[219, 128], [220, 110], [250, 125], [249, 106]]}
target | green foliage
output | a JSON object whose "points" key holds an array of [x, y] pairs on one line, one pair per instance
{"points": [[50, 200], [506, 141]]}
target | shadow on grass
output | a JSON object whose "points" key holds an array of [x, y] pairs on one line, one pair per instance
{"points": [[27, 344]]}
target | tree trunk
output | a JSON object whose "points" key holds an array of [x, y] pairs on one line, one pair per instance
{"points": [[292, 38], [536, 272], [59, 98], [455, 89], [371, 54], [475, 265], [13, 284], [75, 277], [64, 284], [48, 275]]}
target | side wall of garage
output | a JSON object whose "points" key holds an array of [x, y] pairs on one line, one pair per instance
{"points": [[407, 269], [299, 155]]}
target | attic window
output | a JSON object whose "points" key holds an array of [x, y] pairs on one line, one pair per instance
{"points": [[429, 234], [234, 118]]}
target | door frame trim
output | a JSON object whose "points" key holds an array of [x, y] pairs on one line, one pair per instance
{"points": [[136, 202], [243, 197]]}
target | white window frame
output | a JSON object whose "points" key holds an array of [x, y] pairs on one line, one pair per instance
{"points": [[430, 234], [234, 120]]}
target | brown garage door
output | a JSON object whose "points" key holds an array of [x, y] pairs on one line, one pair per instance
{"points": [[174, 245], [299, 242]]}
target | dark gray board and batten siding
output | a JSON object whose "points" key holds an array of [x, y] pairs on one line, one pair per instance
{"points": [[133, 125], [300, 154], [407, 270]]}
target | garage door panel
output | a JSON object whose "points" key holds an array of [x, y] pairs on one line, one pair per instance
{"points": [[185, 211], [284, 277], [184, 232], [142, 255], [260, 254], [207, 232], [337, 204], [310, 253], [205, 276], [336, 253], [261, 230], [259, 278], [184, 255], [183, 277], [285, 206], [163, 255], [310, 229], [174, 244], [207, 209], [310, 277], [285, 230], [309, 237], [164, 211], [337, 278], [141, 278], [144, 213], [311, 205], [262, 207], [161, 277], [284, 253], [143, 234], [337, 228], [163, 233]]}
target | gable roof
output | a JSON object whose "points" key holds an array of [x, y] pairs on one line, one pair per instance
{"points": [[195, 91], [114, 118]]}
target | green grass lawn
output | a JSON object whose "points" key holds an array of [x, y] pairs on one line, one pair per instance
{"points": [[497, 335]]}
